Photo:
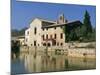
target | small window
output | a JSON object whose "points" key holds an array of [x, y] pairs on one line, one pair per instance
{"points": [[43, 29], [34, 43], [61, 17], [31, 44], [61, 35], [27, 32], [47, 36], [50, 36], [43, 37], [55, 36], [48, 44], [54, 27], [46, 28], [58, 44], [38, 44], [35, 30], [44, 44], [26, 39], [61, 44]]}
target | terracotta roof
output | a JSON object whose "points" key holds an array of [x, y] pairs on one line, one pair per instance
{"points": [[57, 25]]}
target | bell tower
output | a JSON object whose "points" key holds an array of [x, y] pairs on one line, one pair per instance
{"points": [[61, 19]]}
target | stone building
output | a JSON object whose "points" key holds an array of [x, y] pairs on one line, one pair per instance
{"points": [[19, 39], [48, 33]]}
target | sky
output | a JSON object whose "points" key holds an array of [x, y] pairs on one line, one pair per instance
{"points": [[22, 13]]}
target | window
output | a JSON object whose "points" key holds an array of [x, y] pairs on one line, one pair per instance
{"points": [[48, 44], [61, 35], [43, 37], [55, 36], [34, 43], [35, 30], [43, 29], [58, 44], [61, 17], [46, 28], [27, 32], [61, 44], [50, 36], [44, 44], [47, 36], [54, 27], [31, 44], [26, 40]]}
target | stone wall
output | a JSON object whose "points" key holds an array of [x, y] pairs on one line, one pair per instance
{"points": [[71, 52], [82, 52]]}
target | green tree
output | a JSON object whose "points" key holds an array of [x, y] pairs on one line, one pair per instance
{"points": [[66, 31], [87, 27], [73, 36], [15, 32], [83, 33], [70, 35]]}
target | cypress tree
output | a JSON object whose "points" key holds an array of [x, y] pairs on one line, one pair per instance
{"points": [[87, 23]]}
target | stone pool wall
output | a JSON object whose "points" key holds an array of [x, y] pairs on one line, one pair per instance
{"points": [[71, 50]]}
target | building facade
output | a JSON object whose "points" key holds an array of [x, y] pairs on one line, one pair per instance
{"points": [[47, 33], [19, 39]]}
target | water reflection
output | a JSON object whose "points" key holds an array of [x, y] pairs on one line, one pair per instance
{"points": [[47, 63]]}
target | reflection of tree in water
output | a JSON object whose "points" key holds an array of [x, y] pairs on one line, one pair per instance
{"points": [[47, 63], [66, 63], [15, 49], [44, 63], [54, 61]]}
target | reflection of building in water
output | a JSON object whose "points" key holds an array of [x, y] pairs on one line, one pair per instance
{"points": [[44, 63], [44, 32], [60, 63], [33, 64]]}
